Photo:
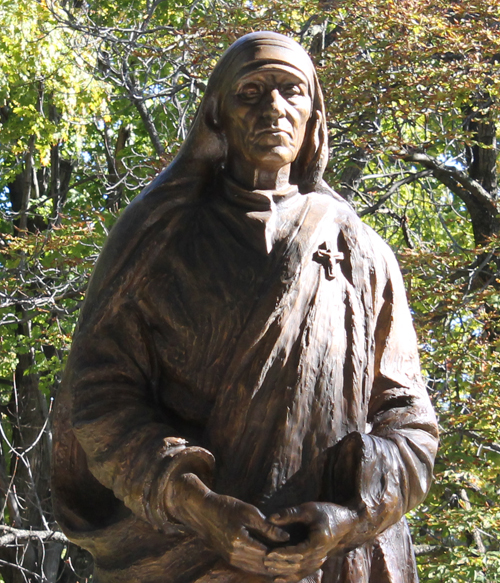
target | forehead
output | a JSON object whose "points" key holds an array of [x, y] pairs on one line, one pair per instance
{"points": [[272, 73]]}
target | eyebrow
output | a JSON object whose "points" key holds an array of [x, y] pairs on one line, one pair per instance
{"points": [[248, 78]]}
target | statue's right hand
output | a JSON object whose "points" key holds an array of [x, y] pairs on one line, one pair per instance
{"points": [[227, 524]]}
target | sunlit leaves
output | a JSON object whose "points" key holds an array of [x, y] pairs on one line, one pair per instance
{"points": [[460, 358], [397, 75], [45, 90]]}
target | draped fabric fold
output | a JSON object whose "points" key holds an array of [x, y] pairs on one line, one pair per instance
{"points": [[264, 344]]}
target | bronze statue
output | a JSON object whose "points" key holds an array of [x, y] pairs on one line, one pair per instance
{"points": [[243, 402]]}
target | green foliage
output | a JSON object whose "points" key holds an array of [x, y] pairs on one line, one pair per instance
{"points": [[95, 99], [461, 363], [400, 74], [45, 89]]}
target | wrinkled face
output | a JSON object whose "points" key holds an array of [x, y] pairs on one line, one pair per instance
{"points": [[265, 115]]}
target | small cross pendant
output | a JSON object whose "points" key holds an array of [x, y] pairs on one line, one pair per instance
{"points": [[327, 259]]}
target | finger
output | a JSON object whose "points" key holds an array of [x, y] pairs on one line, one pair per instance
{"points": [[248, 554], [284, 556], [295, 553], [312, 562], [290, 515], [247, 543], [295, 578], [258, 523], [287, 569], [281, 564], [289, 579]]}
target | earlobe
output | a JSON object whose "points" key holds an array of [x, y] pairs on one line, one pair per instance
{"points": [[212, 118]]}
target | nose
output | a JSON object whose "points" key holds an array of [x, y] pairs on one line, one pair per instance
{"points": [[274, 105]]}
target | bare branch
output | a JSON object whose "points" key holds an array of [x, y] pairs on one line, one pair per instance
{"points": [[18, 535], [392, 189], [456, 180], [421, 550]]}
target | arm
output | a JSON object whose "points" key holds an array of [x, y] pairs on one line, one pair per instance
{"points": [[388, 470], [372, 479], [129, 447], [131, 450]]}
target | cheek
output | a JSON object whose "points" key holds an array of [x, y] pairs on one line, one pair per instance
{"points": [[305, 111], [238, 125], [301, 115], [301, 118]]}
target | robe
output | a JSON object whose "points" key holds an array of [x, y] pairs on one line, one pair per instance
{"points": [[264, 343]]}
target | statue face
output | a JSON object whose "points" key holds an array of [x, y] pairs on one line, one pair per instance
{"points": [[265, 115]]}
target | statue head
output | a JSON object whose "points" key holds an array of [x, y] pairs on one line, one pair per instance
{"points": [[254, 63], [264, 99]]}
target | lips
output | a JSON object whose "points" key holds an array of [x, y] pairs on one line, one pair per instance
{"points": [[271, 139], [273, 132]]}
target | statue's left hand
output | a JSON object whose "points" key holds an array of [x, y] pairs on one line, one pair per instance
{"points": [[329, 526]]}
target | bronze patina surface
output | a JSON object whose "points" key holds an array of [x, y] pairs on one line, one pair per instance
{"points": [[243, 400]]}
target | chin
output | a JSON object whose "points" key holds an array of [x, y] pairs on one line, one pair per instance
{"points": [[275, 158]]}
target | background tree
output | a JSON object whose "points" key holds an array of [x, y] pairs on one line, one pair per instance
{"points": [[95, 98]]}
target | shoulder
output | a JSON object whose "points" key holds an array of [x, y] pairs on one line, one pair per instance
{"points": [[341, 213], [145, 227], [367, 251]]}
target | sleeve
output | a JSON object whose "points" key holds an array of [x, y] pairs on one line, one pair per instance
{"points": [[129, 446], [387, 471]]}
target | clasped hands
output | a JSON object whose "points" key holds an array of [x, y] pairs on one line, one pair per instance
{"points": [[239, 531]]}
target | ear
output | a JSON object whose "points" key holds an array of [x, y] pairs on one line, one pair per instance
{"points": [[308, 167], [318, 136], [212, 118]]}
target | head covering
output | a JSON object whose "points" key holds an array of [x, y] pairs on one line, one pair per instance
{"points": [[201, 158], [256, 49], [204, 150]]}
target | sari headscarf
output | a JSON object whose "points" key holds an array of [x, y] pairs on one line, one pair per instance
{"points": [[202, 157], [204, 151]]}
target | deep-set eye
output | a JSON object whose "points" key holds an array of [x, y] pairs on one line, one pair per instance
{"points": [[290, 90], [250, 92]]}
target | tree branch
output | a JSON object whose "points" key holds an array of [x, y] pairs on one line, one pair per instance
{"points": [[148, 124], [421, 550], [479, 202], [15, 535], [394, 188], [456, 180]]}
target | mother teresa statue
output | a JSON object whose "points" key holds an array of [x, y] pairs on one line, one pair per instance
{"points": [[243, 402]]}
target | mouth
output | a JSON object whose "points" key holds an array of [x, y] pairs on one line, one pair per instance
{"points": [[273, 132]]}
